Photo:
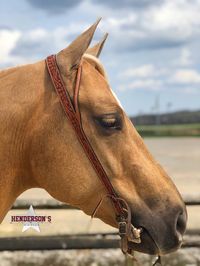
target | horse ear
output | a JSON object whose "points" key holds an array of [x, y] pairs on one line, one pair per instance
{"points": [[70, 57], [97, 48]]}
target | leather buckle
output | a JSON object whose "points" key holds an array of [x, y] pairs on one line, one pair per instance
{"points": [[122, 228]]}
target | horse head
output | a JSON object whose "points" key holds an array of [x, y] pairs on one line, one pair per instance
{"points": [[58, 163]]}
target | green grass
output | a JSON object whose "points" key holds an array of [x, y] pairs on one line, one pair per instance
{"points": [[179, 130]]}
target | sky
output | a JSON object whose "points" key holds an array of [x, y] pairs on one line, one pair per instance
{"points": [[151, 56]]}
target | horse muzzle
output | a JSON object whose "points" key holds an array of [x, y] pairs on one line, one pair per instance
{"points": [[160, 235]]}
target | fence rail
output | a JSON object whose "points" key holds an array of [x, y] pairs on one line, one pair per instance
{"points": [[54, 204], [90, 241], [78, 241]]}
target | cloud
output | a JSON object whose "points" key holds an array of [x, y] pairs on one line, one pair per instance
{"points": [[128, 35], [177, 15], [53, 6], [158, 24], [172, 24], [141, 71], [40, 42], [154, 78], [144, 71], [185, 58], [146, 84], [32, 42], [8, 40], [186, 76], [19, 47], [128, 3]]}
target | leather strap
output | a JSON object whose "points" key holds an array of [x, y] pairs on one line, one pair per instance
{"points": [[74, 117], [127, 231]]}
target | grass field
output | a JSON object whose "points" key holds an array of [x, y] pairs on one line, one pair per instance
{"points": [[179, 130]]}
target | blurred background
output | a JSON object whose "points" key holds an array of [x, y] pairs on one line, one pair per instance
{"points": [[153, 62]]}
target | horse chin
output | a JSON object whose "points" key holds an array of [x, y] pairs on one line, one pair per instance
{"points": [[147, 244]]}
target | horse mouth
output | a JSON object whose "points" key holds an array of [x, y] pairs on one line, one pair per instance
{"points": [[147, 245]]}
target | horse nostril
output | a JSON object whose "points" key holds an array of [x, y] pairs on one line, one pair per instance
{"points": [[181, 223]]}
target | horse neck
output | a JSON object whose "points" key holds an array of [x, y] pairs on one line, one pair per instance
{"points": [[20, 94]]}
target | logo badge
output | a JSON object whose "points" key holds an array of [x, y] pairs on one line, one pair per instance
{"points": [[30, 220], [31, 224]]}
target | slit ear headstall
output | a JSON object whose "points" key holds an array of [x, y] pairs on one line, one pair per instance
{"points": [[127, 231]]}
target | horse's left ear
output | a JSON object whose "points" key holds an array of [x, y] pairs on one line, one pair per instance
{"points": [[69, 58], [97, 48]]}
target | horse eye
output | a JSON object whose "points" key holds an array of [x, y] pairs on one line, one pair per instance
{"points": [[110, 122]]}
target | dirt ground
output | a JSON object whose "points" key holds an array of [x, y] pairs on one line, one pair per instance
{"points": [[179, 156], [181, 159]]}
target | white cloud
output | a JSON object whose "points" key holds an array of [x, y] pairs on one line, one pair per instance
{"points": [[8, 40], [186, 76], [140, 72], [144, 71], [149, 84], [120, 22], [185, 57], [171, 24], [19, 47], [177, 15]]}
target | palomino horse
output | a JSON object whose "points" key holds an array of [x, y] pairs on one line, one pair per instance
{"points": [[40, 149]]}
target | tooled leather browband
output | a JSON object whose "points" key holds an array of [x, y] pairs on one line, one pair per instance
{"points": [[71, 109]]}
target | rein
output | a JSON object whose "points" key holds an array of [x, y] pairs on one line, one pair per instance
{"points": [[127, 231]]}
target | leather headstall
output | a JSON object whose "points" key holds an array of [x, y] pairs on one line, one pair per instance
{"points": [[127, 231]]}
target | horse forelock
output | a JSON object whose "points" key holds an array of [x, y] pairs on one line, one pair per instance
{"points": [[96, 62], [99, 66]]}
